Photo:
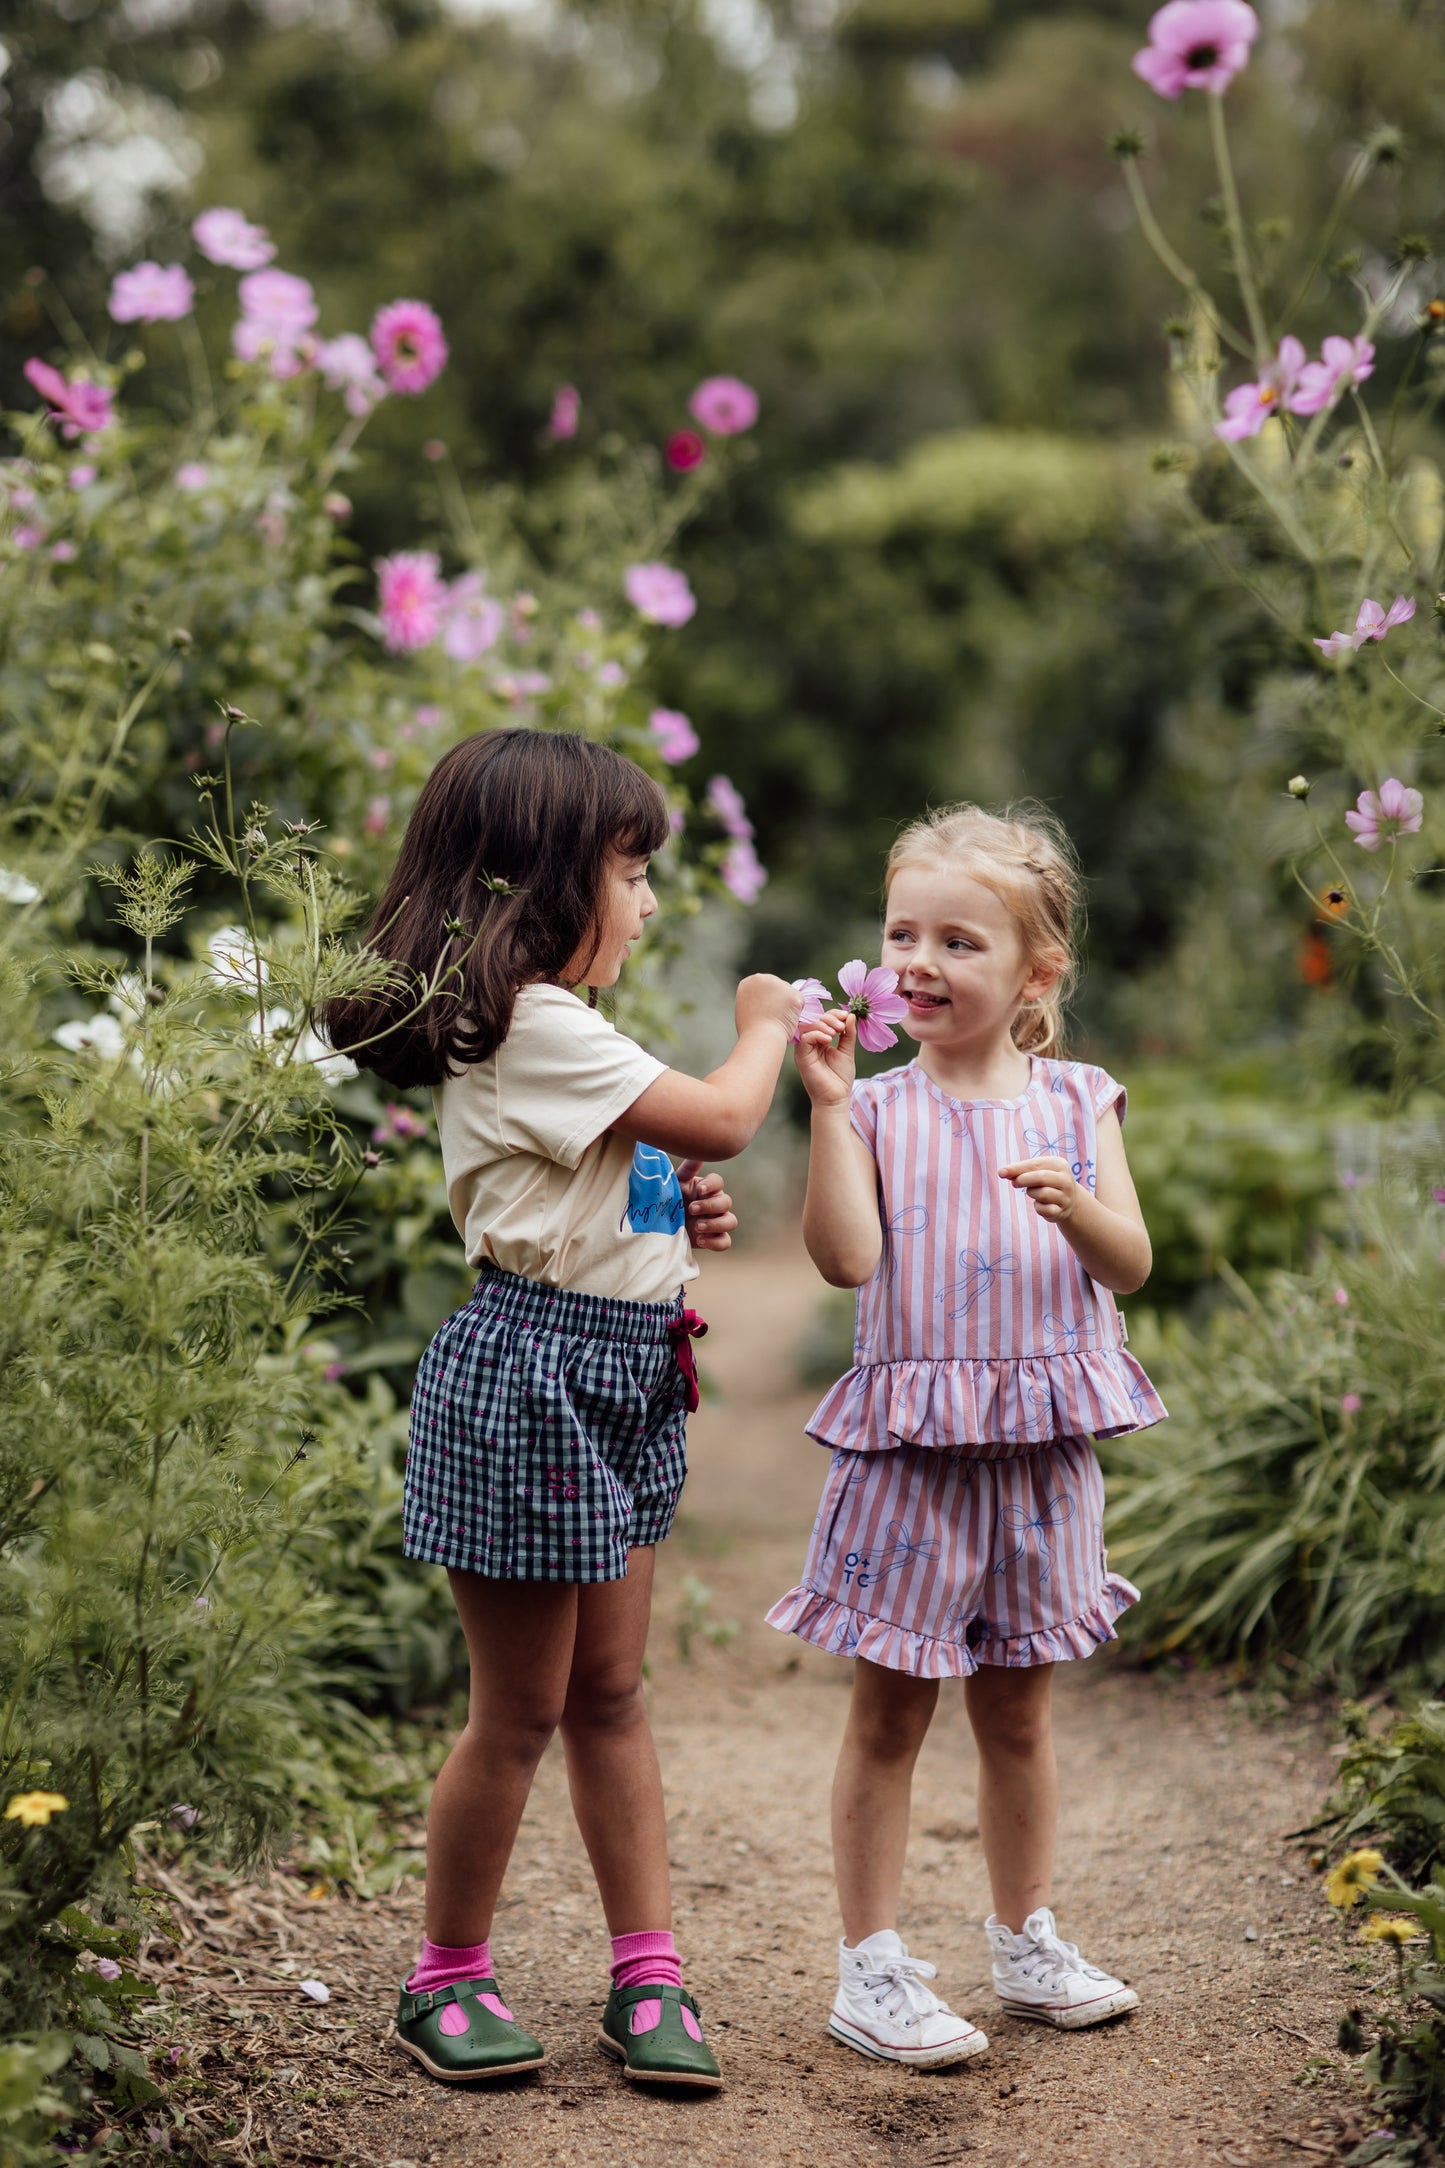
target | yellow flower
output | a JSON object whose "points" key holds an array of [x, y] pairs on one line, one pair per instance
{"points": [[34, 1809], [1347, 1884], [1391, 1927]]}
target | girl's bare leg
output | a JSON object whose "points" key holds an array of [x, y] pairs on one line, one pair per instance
{"points": [[888, 1721], [1018, 1784], [520, 1637], [611, 1760]]}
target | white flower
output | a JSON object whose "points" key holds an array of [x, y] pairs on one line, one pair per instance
{"points": [[14, 888], [309, 1045], [234, 959], [98, 1034]]}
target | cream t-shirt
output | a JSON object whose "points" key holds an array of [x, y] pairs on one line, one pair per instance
{"points": [[536, 1181]]}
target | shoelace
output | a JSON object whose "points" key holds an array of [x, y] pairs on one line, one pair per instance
{"points": [[898, 1989], [1051, 1958]]}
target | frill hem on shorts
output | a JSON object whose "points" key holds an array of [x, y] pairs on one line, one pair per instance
{"points": [[1014, 1402], [842, 1631]]}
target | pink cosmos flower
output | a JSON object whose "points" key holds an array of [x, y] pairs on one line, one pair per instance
{"points": [[741, 871], [566, 407], [81, 477], [82, 409], [411, 599], [427, 717], [1196, 45], [1371, 623], [1437, 1196], [348, 365], [185, 1817], [1350, 1404], [151, 293], [726, 801], [63, 553], [724, 405], [28, 538], [1379, 817], [336, 505], [659, 594], [472, 620], [1345, 362], [1249, 406], [1342, 1297], [685, 450], [278, 311], [676, 738], [611, 676], [409, 344], [816, 998], [383, 759], [378, 813], [398, 1125], [229, 238], [874, 999], [192, 475], [107, 1968]]}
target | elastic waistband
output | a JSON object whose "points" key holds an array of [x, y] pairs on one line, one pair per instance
{"points": [[564, 1309]]}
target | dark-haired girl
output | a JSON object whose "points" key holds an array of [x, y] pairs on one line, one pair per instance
{"points": [[547, 1427]]}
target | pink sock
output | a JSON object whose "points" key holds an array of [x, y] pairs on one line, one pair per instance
{"points": [[440, 1966], [642, 1961]]}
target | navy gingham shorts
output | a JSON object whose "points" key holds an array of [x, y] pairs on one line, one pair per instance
{"points": [[547, 1434]]}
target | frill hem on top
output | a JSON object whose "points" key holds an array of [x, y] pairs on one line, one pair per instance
{"points": [[1014, 1401], [842, 1631]]}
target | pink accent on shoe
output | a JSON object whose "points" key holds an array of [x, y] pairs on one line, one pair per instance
{"points": [[495, 2004], [646, 2016], [639, 1960], [690, 2024], [453, 2019], [441, 1966]]}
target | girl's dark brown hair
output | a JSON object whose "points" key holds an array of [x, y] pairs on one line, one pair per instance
{"points": [[538, 810]]}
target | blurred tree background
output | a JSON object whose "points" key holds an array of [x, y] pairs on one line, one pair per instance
{"points": [[950, 567]]}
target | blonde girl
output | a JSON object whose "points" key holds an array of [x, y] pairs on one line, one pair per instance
{"points": [[979, 1199]]}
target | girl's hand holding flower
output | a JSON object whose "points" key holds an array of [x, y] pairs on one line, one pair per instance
{"points": [[825, 1053], [1049, 1184]]}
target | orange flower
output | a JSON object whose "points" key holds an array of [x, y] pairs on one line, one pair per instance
{"points": [[1333, 903], [1316, 965]]}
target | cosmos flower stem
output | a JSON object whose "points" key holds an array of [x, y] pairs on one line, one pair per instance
{"points": [[1280, 506], [1420, 697], [1175, 265], [203, 391], [1349, 187], [1243, 269], [341, 450]]}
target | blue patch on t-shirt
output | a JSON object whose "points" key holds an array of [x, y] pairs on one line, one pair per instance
{"points": [[654, 1195]]}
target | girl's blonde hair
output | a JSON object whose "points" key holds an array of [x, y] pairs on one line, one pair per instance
{"points": [[1024, 855]]}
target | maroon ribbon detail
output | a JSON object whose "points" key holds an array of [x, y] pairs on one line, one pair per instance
{"points": [[683, 1331]]}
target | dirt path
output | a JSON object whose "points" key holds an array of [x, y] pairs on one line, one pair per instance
{"points": [[1173, 1867]]}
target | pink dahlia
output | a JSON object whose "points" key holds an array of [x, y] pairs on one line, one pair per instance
{"points": [[725, 405], [566, 407], [151, 293], [1345, 363], [742, 873], [1249, 406], [278, 311], [1371, 623], [472, 619], [82, 409], [229, 238], [676, 738], [411, 599], [1379, 817], [1196, 45], [409, 344], [685, 450], [659, 594], [348, 365], [874, 999], [726, 801]]}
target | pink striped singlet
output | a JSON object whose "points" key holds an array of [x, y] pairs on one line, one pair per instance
{"points": [[961, 1521]]}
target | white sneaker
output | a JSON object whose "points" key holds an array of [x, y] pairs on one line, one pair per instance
{"points": [[884, 2009], [1038, 1975]]}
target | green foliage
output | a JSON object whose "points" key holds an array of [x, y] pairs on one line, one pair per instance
{"points": [[1292, 1511]]}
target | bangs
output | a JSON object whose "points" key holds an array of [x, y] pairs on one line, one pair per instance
{"points": [[643, 821]]}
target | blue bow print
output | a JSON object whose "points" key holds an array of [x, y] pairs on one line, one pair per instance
{"points": [[1060, 1337], [984, 1272], [903, 1550], [1057, 1513]]}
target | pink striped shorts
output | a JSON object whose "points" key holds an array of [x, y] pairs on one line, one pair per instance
{"points": [[929, 1560]]}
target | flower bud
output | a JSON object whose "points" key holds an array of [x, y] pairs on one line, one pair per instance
{"points": [[1412, 248], [234, 715], [1298, 786], [1385, 147], [1126, 143], [335, 506], [179, 637]]}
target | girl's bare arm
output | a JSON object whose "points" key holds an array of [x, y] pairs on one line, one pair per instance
{"points": [[841, 1223], [1104, 1227], [717, 1116]]}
